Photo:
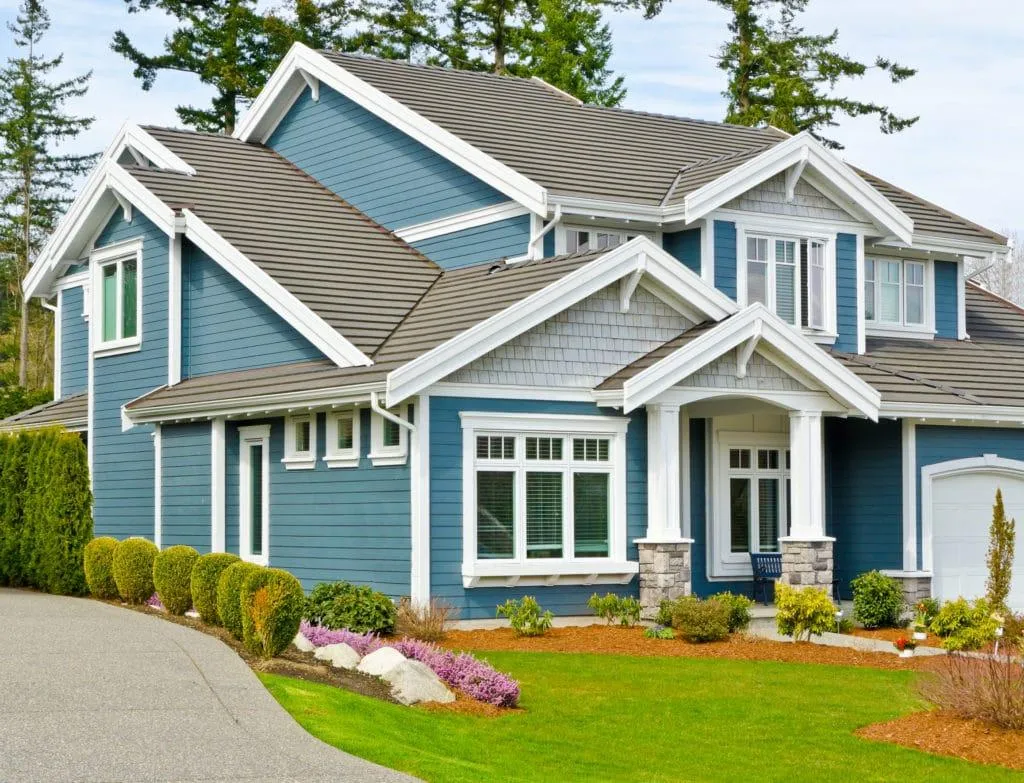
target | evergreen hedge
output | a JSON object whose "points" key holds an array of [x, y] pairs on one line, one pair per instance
{"points": [[229, 595], [205, 575], [272, 601], [172, 577], [99, 567], [133, 569], [45, 510]]}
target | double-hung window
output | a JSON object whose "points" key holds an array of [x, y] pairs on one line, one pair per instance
{"points": [[117, 290], [543, 497], [895, 292], [790, 277]]}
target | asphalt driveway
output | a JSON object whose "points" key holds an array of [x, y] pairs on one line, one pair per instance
{"points": [[91, 692]]}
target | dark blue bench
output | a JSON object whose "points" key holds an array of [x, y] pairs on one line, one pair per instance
{"points": [[767, 567]]}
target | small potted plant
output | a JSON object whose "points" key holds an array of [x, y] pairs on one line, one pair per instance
{"points": [[905, 646], [921, 623]]}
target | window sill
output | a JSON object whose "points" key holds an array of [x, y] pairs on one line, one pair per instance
{"points": [[299, 463], [117, 348], [341, 462], [261, 560], [385, 458], [548, 572], [905, 332], [820, 337]]}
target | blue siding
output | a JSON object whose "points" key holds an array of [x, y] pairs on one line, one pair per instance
{"points": [[74, 343], [947, 309], [123, 469], [388, 175], [226, 327], [864, 495], [846, 293], [446, 508], [185, 485], [501, 239], [685, 246], [549, 244], [328, 524], [725, 257]]}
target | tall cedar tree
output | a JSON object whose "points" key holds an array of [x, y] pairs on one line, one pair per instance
{"points": [[1002, 539], [223, 42], [36, 181], [781, 76]]}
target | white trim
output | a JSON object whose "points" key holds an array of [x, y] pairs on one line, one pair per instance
{"points": [[380, 454], [961, 302], [158, 494], [987, 463], [693, 396], [962, 415], [861, 333], [218, 510], [926, 329], [174, 311], [99, 259], [256, 124], [299, 460], [58, 345], [664, 501], [76, 280], [511, 392], [419, 448], [132, 137], [707, 250], [945, 244], [909, 462], [807, 476], [684, 475], [641, 253], [248, 437], [461, 222], [342, 458]]}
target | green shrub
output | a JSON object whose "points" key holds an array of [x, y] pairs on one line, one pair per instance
{"points": [[925, 611], [965, 626], [803, 611], [172, 577], [205, 575], [659, 632], [526, 616], [13, 456], [615, 608], [877, 600], [1002, 541], [739, 610], [358, 608], [272, 601], [701, 621], [99, 567], [229, 595], [667, 608], [133, 569]]}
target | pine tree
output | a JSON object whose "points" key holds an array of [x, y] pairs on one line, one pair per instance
{"points": [[782, 76], [1002, 538], [318, 25], [36, 181], [400, 29]]}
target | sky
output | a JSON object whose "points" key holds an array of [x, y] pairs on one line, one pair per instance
{"points": [[964, 153]]}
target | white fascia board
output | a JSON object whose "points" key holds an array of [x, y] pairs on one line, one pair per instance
{"points": [[433, 136], [934, 243], [963, 415], [638, 253], [612, 210], [789, 153], [461, 222], [134, 137], [327, 339]]}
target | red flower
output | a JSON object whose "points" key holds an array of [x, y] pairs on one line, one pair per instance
{"points": [[901, 644]]}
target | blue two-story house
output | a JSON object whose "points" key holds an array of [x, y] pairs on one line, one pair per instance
{"points": [[460, 336]]}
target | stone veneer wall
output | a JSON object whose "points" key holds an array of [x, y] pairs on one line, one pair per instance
{"points": [[665, 574], [808, 564]]}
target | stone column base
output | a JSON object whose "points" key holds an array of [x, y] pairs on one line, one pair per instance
{"points": [[665, 574], [916, 587], [807, 564]]}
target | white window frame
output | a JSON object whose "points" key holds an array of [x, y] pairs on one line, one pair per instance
{"points": [[294, 459], [342, 458], [99, 259], [562, 238], [258, 434], [725, 563], [567, 569], [874, 327], [388, 455]]}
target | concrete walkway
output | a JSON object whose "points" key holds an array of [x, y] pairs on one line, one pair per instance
{"points": [[91, 692]]}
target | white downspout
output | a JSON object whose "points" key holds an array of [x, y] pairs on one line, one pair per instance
{"points": [[375, 406], [540, 234]]}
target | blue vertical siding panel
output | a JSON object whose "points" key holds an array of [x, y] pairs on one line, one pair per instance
{"points": [[226, 327], [185, 485], [725, 257], [446, 508], [501, 239], [74, 343], [846, 293], [388, 175], [123, 469], [684, 246], [549, 244], [947, 306], [864, 491]]}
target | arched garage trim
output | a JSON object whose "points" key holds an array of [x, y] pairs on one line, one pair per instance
{"points": [[987, 463]]}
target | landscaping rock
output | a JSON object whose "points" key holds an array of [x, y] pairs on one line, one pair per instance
{"points": [[412, 682], [303, 644], [340, 655], [380, 661]]}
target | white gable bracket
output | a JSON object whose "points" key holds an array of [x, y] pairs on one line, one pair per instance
{"points": [[746, 350], [627, 286], [314, 85], [126, 206], [794, 174]]}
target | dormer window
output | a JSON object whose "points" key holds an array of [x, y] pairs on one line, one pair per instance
{"points": [[895, 293], [789, 275]]}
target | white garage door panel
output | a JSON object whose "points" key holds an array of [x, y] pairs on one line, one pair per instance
{"points": [[961, 515]]}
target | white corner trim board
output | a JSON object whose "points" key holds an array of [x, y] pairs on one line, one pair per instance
{"points": [[909, 448], [419, 450]]}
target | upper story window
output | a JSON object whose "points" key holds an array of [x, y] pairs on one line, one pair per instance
{"points": [[583, 240], [895, 292], [300, 442], [116, 286], [342, 439], [389, 440], [790, 277]]}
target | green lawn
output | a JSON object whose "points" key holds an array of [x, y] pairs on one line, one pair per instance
{"points": [[617, 718]]}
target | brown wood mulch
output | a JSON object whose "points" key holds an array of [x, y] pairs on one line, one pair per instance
{"points": [[947, 734], [892, 634]]}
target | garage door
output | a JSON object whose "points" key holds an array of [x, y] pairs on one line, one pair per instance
{"points": [[961, 515]]}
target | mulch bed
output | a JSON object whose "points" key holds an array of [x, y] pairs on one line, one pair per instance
{"points": [[947, 734], [892, 634], [615, 640]]}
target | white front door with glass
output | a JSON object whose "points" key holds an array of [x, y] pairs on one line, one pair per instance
{"points": [[254, 493]]}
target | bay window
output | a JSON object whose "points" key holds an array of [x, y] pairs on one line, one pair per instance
{"points": [[895, 292], [790, 277]]}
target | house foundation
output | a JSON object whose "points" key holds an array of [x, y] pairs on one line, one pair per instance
{"points": [[666, 573]]}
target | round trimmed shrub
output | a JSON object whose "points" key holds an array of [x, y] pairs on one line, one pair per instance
{"points": [[229, 592], [205, 575], [358, 608], [272, 601], [172, 577], [701, 621], [877, 600], [133, 569], [99, 564]]}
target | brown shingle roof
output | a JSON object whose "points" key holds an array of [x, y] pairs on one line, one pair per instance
{"points": [[618, 379], [72, 413], [990, 318]]}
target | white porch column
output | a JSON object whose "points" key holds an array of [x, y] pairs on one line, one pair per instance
{"points": [[663, 498]]}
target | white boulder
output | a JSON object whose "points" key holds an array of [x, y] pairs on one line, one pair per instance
{"points": [[377, 663], [412, 682], [302, 643], [340, 655]]}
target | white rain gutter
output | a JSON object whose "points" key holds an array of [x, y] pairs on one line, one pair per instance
{"points": [[531, 247], [375, 406]]}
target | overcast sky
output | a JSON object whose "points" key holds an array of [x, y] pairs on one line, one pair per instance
{"points": [[965, 152]]}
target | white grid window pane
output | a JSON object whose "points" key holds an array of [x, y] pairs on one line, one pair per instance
{"points": [[914, 276], [757, 269], [544, 449], [768, 514], [302, 436], [590, 449], [889, 293], [346, 432], [495, 447], [739, 515], [591, 511]]}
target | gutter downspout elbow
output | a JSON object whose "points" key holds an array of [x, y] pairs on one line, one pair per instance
{"points": [[376, 407], [555, 220]]}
